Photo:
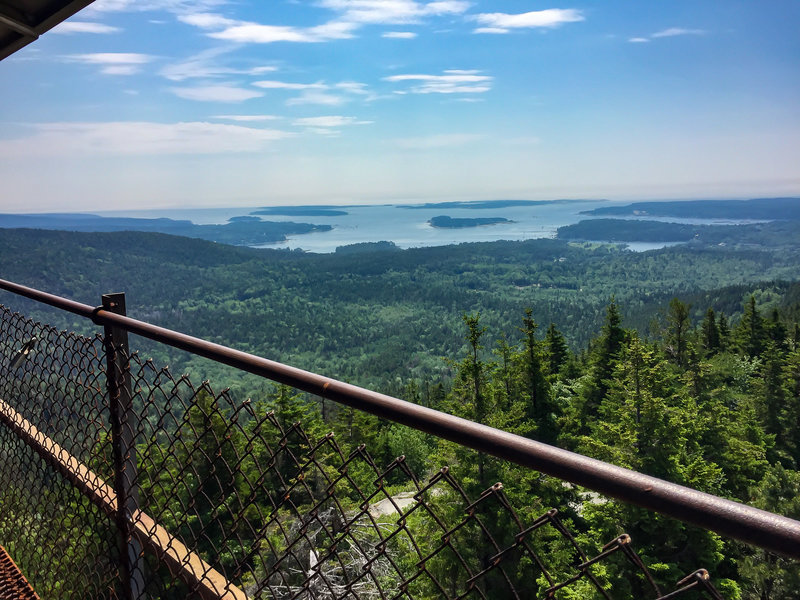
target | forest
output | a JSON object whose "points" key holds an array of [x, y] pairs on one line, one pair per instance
{"points": [[683, 363]]}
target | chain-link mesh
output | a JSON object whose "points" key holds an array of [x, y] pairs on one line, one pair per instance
{"points": [[240, 500], [52, 384]]}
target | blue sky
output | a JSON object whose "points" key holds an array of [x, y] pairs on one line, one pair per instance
{"points": [[163, 103]]}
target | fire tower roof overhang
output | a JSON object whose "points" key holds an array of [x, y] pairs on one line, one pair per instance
{"points": [[23, 21]]}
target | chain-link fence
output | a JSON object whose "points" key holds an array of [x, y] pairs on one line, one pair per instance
{"points": [[120, 480]]}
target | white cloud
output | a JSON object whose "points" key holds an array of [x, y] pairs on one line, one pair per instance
{"points": [[260, 70], [111, 58], [329, 121], [206, 65], [437, 141], [68, 27], [120, 70], [113, 63], [316, 97], [216, 93], [504, 22], [246, 32], [245, 118], [207, 20], [316, 93], [399, 35], [673, 31], [131, 138], [352, 87], [284, 85], [393, 11], [172, 6], [451, 82], [352, 14], [489, 30]]}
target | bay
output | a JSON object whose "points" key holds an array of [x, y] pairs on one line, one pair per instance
{"points": [[407, 224]]}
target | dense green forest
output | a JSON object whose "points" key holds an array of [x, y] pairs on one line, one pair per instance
{"points": [[242, 231], [683, 363]]}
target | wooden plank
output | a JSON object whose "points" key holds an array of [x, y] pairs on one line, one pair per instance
{"points": [[184, 564]]}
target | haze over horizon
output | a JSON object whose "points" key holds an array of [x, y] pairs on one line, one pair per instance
{"points": [[163, 103]]}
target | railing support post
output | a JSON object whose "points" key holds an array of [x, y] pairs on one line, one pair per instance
{"points": [[123, 434]]}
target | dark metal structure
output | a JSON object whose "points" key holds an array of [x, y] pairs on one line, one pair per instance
{"points": [[13, 585], [23, 21]]}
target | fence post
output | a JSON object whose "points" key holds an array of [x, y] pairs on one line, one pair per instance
{"points": [[123, 434]]}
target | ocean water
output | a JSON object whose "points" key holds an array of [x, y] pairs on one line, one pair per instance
{"points": [[406, 227]]}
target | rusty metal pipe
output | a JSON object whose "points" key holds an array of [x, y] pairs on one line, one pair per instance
{"points": [[731, 519]]}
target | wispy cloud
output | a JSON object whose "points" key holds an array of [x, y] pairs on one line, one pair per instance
{"points": [[113, 63], [245, 118], [451, 82], [69, 27], [208, 65], [318, 93], [223, 28], [430, 142], [172, 6], [393, 11], [351, 16], [285, 85], [399, 35], [316, 97], [674, 31], [329, 121], [670, 32], [504, 22], [215, 93], [132, 138]]}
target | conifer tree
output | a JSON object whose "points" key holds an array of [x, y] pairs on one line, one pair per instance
{"points": [[557, 349], [710, 333], [751, 332], [677, 332], [605, 358]]}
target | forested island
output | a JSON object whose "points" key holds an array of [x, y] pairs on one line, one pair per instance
{"points": [[446, 222], [239, 231], [301, 211], [482, 204], [683, 363], [771, 234], [757, 209]]}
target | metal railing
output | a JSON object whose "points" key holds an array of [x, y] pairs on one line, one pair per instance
{"points": [[148, 486]]}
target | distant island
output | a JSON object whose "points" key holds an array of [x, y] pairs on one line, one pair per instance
{"points": [[239, 231], [445, 222], [757, 209], [629, 230], [773, 234], [482, 204], [300, 211], [365, 247]]}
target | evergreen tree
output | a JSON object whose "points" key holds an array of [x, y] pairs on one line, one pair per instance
{"points": [[677, 331], [751, 332], [710, 332], [604, 359], [538, 390], [557, 349], [724, 332]]}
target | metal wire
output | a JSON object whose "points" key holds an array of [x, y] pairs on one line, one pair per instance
{"points": [[233, 501]]}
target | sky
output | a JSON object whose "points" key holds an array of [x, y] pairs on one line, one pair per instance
{"points": [[170, 103]]}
